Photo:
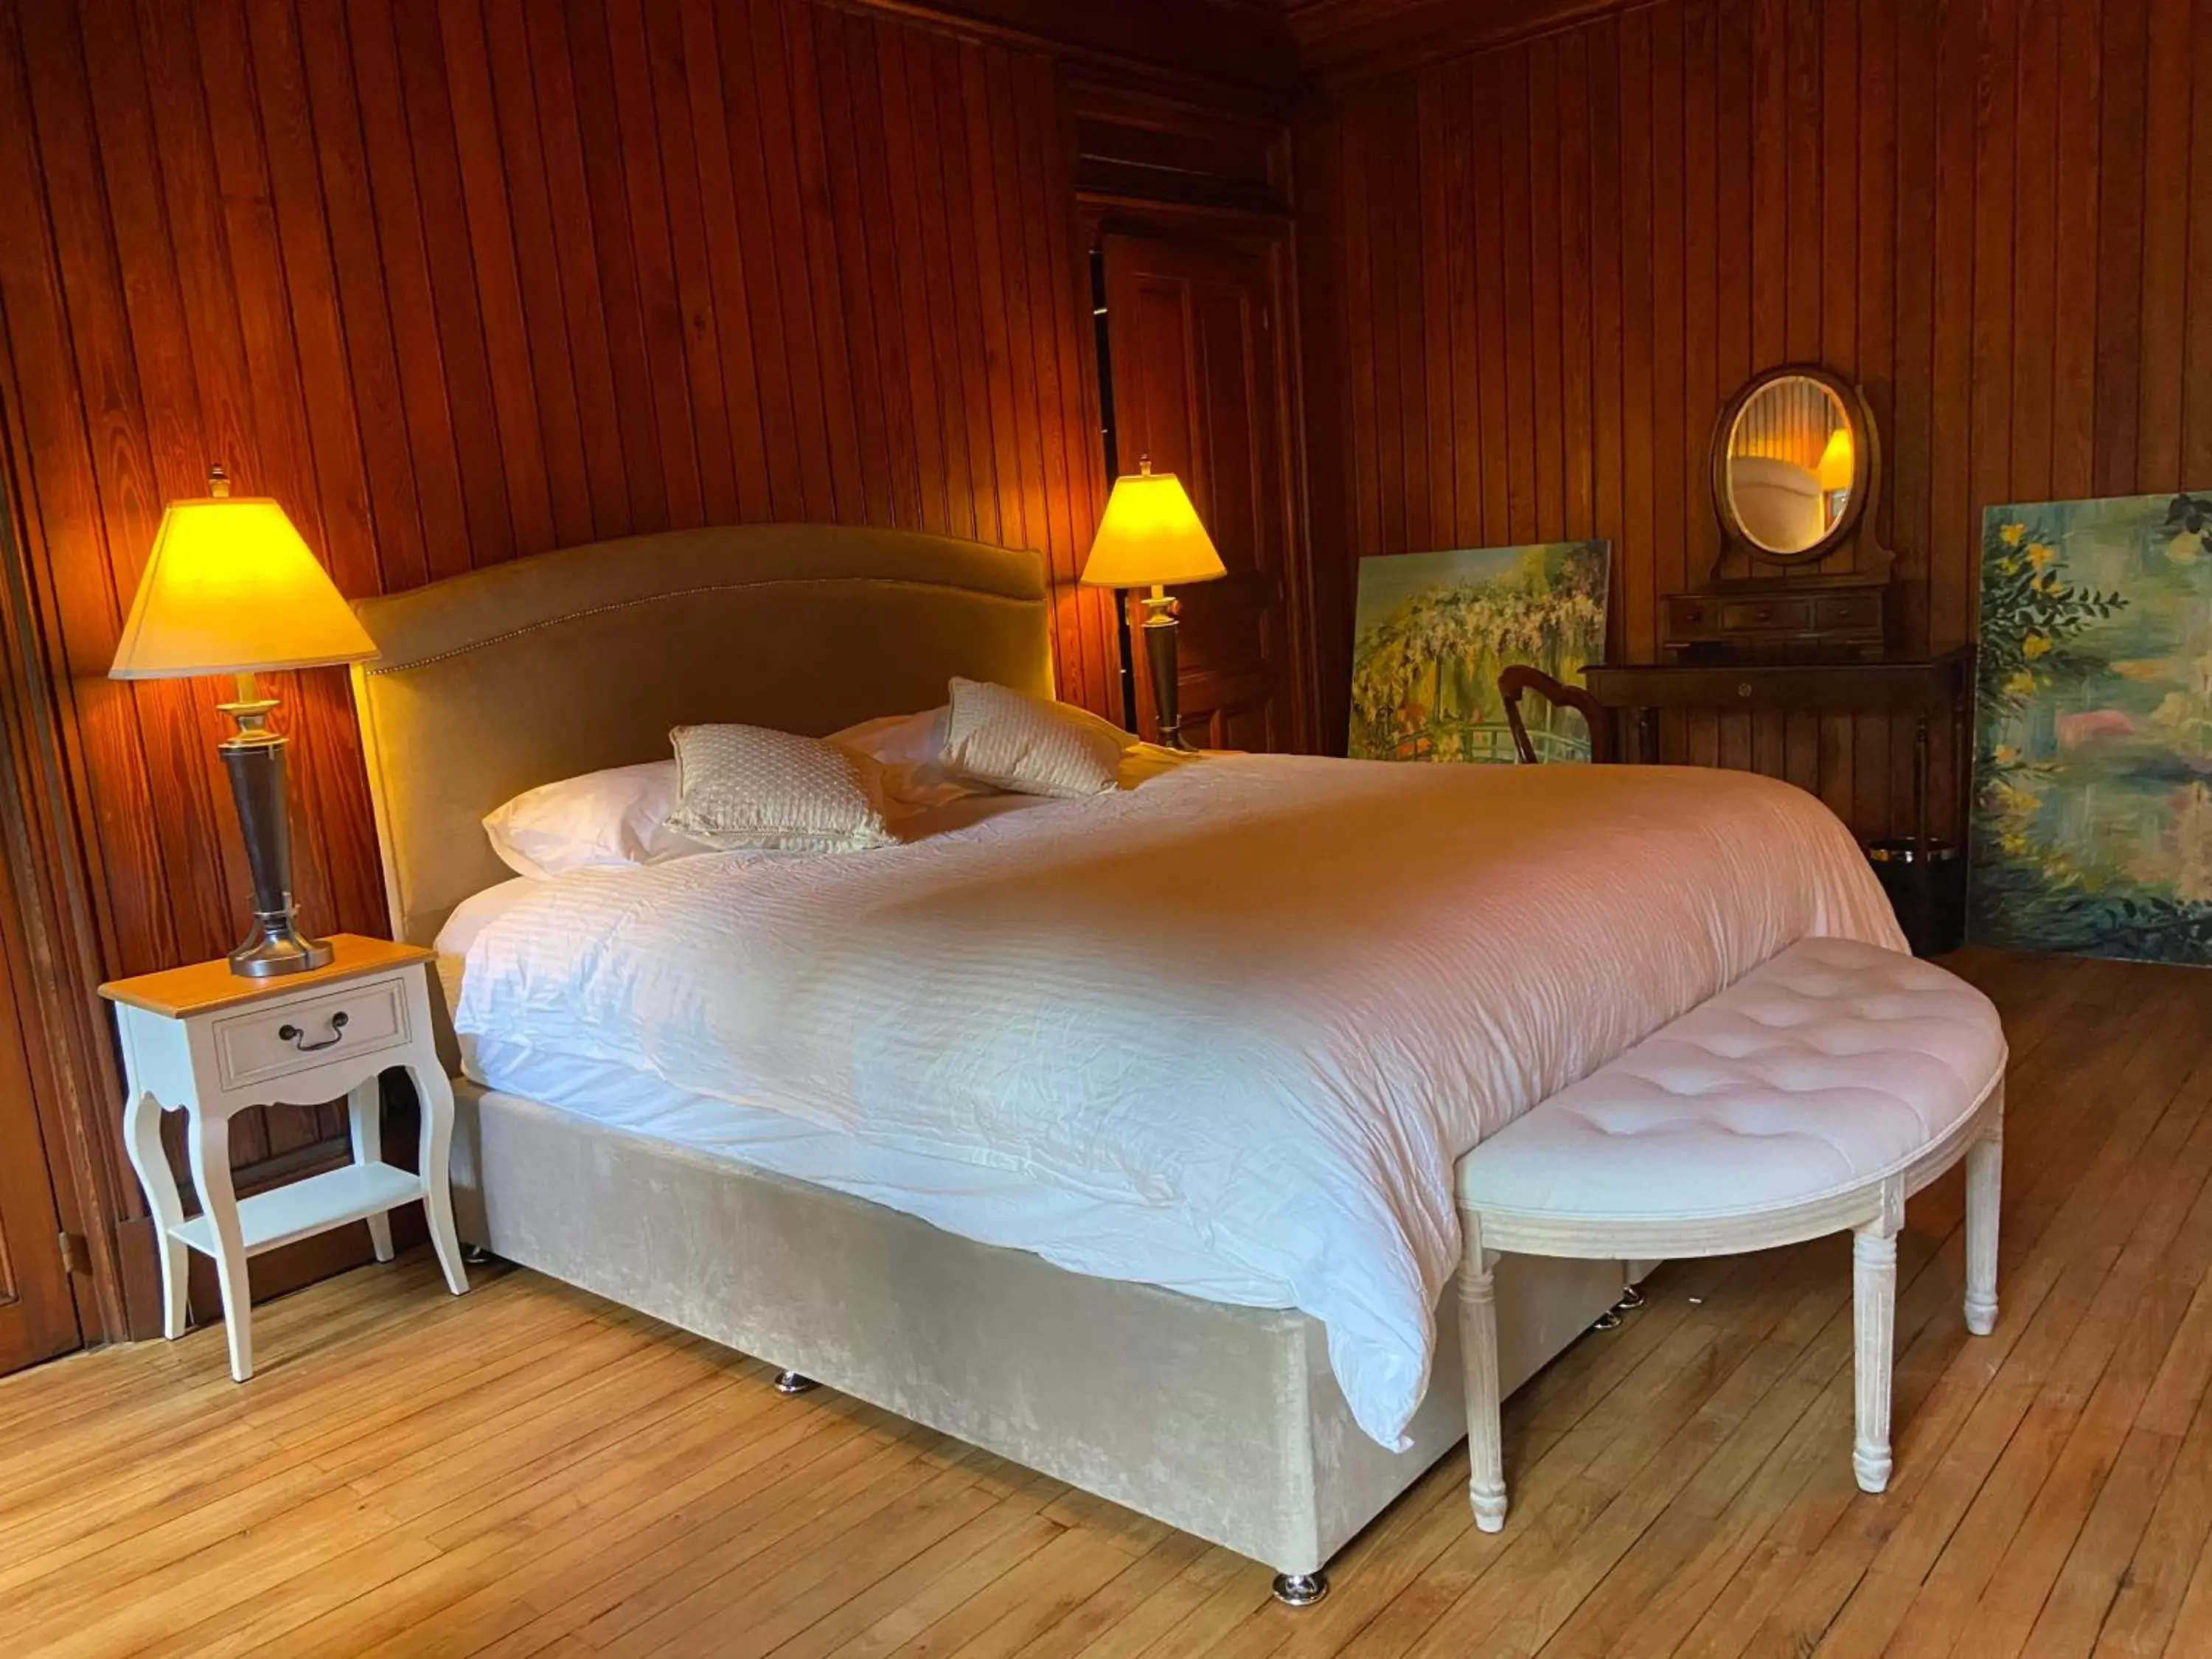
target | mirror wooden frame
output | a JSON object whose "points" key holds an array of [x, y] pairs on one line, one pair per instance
{"points": [[1866, 469]]}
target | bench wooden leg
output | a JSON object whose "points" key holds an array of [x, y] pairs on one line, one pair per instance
{"points": [[1985, 1197], [1874, 1302], [1478, 1347]]}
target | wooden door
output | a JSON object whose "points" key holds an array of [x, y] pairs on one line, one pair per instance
{"points": [[1195, 343], [38, 1313]]}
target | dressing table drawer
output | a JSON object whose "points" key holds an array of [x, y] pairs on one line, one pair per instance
{"points": [[1765, 615], [1849, 612], [1717, 625]]}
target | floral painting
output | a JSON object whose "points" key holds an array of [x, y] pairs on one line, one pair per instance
{"points": [[1433, 629], [2092, 787]]}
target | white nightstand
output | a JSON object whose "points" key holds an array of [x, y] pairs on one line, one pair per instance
{"points": [[207, 1043]]}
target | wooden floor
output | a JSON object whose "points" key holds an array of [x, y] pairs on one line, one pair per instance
{"points": [[531, 1471]]}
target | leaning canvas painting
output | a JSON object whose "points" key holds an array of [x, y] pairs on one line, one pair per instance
{"points": [[1433, 629], [2092, 787]]}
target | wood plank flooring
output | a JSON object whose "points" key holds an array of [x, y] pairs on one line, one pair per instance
{"points": [[530, 1471]]}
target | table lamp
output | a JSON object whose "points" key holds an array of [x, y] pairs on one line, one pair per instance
{"points": [[232, 589], [1150, 537]]}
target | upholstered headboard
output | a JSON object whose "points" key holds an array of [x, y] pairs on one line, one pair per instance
{"points": [[490, 684]]}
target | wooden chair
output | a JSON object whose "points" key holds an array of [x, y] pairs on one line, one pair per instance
{"points": [[1518, 678]]}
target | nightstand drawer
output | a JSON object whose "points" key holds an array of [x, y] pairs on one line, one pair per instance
{"points": [[267, 1042]]}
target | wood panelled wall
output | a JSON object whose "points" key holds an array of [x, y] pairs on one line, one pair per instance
{"points": [[1532, 276], [462, 280]]}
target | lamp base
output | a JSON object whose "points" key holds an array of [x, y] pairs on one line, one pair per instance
{"points": [[277, 947], [254, 757], [1160, 629]]}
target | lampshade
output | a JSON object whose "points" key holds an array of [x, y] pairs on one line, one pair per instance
{"points": [[1837, 461], [232, 589], [1151, 535]]}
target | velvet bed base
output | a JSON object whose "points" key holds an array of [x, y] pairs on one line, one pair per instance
{"points": [[1222, 1421]]}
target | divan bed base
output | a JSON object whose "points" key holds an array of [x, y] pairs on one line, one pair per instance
{"points": [[1222, 1421]]}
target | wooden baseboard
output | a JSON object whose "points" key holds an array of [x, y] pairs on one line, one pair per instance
{"points": [[140, 1268]]}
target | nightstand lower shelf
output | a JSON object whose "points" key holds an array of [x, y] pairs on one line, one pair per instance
{"points": [[303, 1208]]}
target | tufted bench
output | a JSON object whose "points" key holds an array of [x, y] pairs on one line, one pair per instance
{"points": [[1817, 1093]]}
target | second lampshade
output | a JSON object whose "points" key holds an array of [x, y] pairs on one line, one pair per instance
{"points": [[1150, 538]]}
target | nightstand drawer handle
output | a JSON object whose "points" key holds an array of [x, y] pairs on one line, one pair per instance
{"points": [[297, 1038]]}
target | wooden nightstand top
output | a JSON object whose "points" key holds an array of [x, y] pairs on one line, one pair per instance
{"points": [[205, 986]]}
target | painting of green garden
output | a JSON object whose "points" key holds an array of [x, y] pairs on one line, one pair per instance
{"points": [[2092, 827], [1433, 629]]}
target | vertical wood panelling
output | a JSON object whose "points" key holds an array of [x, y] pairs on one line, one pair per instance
{"points": [[458, 280], [1978, 209], [2197, 295]]}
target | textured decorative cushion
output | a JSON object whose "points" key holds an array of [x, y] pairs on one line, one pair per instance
{"points": [[747, 786], [1833, 1064], [1030, 745]]}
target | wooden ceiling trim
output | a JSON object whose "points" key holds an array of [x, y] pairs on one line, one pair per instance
{"points": [[1133, 145], [1224, 51], [1346, 40]]}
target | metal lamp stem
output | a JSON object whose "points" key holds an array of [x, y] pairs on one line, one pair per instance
{"points": [[1160, 629], [254, 757]]}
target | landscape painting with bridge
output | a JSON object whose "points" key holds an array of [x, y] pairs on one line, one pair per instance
{"points": [[1433, 630]]}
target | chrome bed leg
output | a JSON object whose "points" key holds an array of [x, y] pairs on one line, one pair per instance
{"points": [[1300, 1589], [793, 1383]]}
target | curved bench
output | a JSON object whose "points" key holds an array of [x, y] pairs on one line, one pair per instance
{"points": [[1816, 1094]]}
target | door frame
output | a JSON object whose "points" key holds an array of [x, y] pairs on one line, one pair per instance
{"points": [[1272, 238], [54, 958]]}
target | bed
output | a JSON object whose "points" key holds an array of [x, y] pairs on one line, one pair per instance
{"points": [[1262, 1428]]}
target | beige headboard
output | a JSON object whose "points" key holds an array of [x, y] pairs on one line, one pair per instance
{"points": [[490, 684]]}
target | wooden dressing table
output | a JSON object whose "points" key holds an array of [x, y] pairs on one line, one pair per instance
{"points": [[1812, 629], [1936, 693]]}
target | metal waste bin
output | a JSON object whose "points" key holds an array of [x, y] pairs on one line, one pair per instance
{"points": [[1929, 894]]}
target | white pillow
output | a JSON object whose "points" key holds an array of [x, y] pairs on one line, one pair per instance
{"points": [[610, 819], [1030, 745], [747, 786], [905, 750]]}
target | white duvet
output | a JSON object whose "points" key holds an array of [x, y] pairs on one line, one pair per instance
{"points": [[1257, 1007]]}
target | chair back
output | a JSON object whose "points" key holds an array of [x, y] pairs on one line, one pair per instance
{"points": [[1519, 678]]}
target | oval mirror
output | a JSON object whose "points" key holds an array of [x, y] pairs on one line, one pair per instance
{"points": [[1792, 466]]}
